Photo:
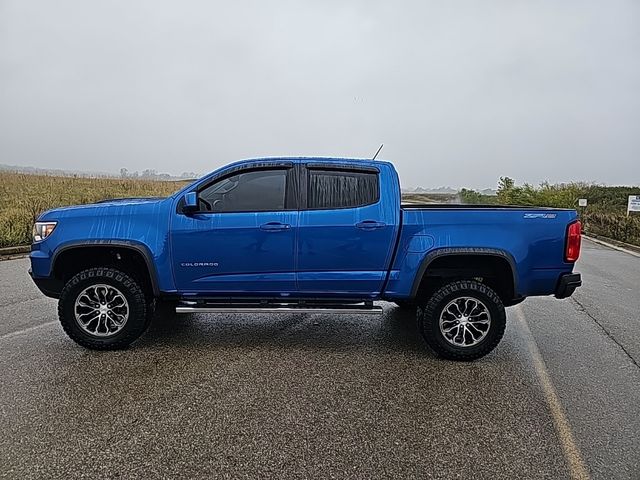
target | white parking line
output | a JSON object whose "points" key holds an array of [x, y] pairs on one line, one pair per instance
{"points": [[26, 330], [577, 468]]}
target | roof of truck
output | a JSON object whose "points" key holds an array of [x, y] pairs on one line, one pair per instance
{"points": [[314, 159]]}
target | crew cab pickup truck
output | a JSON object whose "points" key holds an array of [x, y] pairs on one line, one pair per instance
{"points": [[301, 235]]}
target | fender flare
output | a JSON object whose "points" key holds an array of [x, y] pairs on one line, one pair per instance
{"points": [[138, 247], [455, 251]]}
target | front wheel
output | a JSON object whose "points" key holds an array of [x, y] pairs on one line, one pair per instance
{"points": [[103, 309], [463, 320]]}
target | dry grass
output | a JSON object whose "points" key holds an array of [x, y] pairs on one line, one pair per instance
{"points": [[614, 225], [430, 198], [24, 197]]}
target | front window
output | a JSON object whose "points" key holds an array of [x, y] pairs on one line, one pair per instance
{"points": [[252, 191]]}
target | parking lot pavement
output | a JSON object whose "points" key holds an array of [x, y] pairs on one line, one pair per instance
{"points": [[319, 396]]}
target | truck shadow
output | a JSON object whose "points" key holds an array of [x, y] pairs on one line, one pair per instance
{"points": [[395, 330]]}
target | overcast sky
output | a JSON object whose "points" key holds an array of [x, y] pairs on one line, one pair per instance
{"points": [[460, 92]]}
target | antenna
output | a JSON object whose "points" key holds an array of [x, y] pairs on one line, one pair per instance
{"points": [[374, 157]]}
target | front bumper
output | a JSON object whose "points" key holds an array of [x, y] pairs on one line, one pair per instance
{"points": [[51, 287], [567, 284]]}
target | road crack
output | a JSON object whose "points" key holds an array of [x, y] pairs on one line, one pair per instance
{"points": [[581, 308]]}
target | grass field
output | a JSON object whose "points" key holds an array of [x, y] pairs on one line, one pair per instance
{"points": [[23, 197], [430, 198]]}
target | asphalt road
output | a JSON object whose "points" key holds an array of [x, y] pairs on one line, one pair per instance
{"points": [[319, 396]]}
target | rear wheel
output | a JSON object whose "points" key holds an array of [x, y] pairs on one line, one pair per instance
{"points": [[463, 320], [103, 309]]}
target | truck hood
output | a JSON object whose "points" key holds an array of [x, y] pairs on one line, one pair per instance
{"points": [[98, 208], [119, 201]]}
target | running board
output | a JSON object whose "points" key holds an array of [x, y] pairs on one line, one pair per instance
{"points": [[196, 307]]}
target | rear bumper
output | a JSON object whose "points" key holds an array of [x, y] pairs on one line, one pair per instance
{"points": [[567, 284], [51, 287]]}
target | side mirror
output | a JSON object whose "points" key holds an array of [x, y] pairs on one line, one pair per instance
{"points": [[190, 202]]}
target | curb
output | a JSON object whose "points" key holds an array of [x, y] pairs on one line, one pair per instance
{"points": [[626, 248], [10, 253]]}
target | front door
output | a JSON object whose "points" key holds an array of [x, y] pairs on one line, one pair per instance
{"points": [[241, 241]]}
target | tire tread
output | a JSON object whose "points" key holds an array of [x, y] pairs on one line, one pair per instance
{"points": [[138, 311], [428, 321]]}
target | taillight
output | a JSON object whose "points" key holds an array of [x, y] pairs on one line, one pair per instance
{"points": [[574, 239]]}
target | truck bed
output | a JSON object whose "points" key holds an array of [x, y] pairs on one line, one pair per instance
{"points": [[531, 238]]}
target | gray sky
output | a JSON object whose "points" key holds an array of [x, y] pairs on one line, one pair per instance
{"points": [[459, 92]]}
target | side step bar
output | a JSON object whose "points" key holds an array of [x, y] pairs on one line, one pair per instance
{"points": [[196, 307]]}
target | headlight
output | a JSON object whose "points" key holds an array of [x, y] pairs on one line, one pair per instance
{"points": [[42, 230]]}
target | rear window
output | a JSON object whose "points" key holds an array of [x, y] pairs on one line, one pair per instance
{"points": [[341, 189]]}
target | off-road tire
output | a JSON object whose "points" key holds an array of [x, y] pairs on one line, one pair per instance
{"points": [[428, 317], [136, 324]]}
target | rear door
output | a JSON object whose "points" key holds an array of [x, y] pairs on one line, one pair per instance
{"points": [[242, 240], [346, 235]]}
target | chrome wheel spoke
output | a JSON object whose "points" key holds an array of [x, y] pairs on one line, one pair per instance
{"points": [[485, 321], [101, 310], [469, 306], [465, 321], [454, 309], [476, 332], [118, 301], [87, 318], [447, 330], [115, 318], [84, 304]]}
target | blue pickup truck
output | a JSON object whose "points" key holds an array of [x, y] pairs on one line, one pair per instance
{"points": [[301, 235]]}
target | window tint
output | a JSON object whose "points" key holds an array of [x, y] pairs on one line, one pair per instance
{"points": [[340, 189], [254, 191]]}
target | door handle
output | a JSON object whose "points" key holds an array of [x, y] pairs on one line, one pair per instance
{"points": [[370, 225], [274, 227]]}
